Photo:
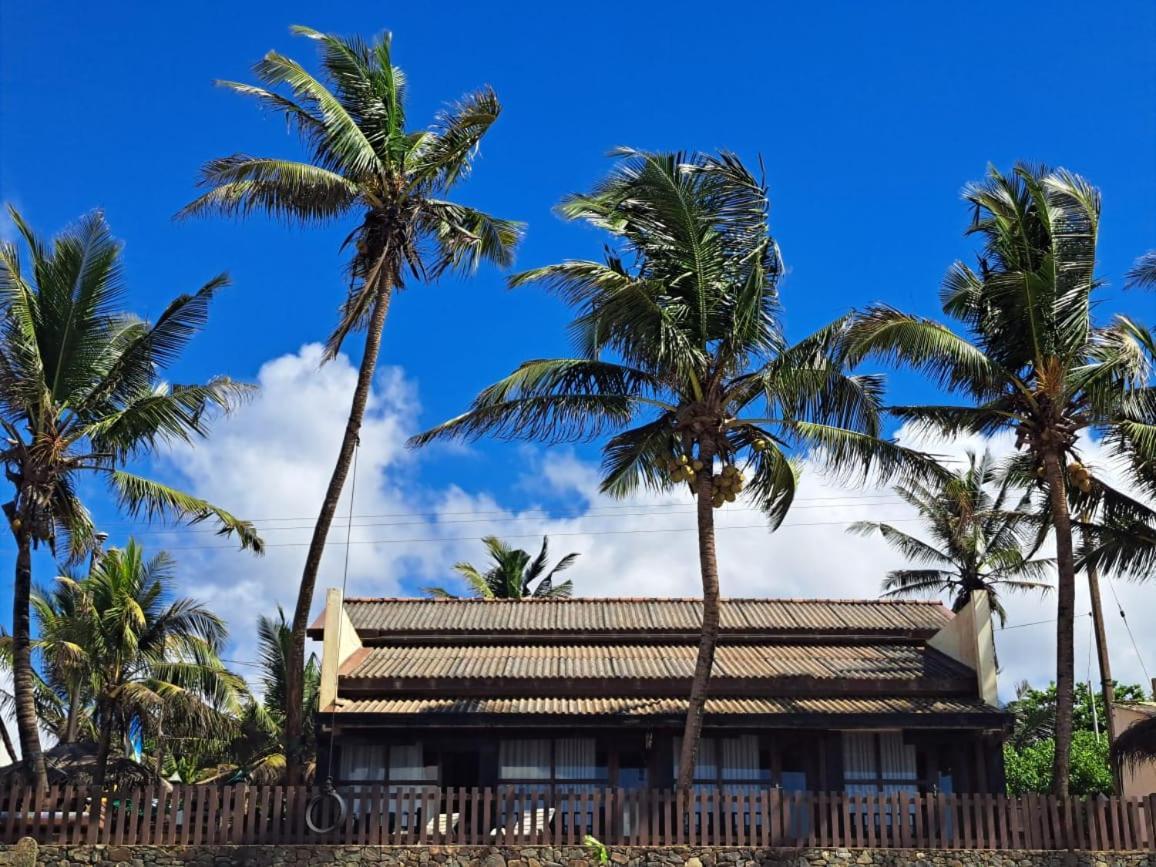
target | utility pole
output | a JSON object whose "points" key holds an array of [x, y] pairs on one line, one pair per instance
{"points": [[1107, 685]]}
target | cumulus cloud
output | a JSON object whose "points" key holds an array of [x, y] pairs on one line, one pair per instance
{"points": [[272, 459]]}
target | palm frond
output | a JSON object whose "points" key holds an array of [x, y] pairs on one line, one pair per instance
{"points": [[141, 497]]}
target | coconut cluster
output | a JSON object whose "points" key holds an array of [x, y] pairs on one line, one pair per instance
{"points": [[727, 485], [683, 469], [1080, 476]]}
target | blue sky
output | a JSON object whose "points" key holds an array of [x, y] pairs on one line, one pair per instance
{"points": [[869, 117]]}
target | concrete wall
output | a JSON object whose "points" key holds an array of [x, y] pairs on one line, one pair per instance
{"points": [[27, 854]]}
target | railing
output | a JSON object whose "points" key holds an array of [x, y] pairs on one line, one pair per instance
{"points": [[376, 815]]}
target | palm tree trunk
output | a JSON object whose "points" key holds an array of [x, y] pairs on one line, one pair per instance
{"points": [[708, 565], [104, 746], [7, 739], [1065, 621], [70, 723], [295, 665], [23, 677]]}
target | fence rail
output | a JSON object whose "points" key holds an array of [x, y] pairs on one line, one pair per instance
{"points": [[379, 815]]}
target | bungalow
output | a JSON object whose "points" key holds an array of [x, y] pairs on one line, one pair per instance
{"points": [[816, 695]]}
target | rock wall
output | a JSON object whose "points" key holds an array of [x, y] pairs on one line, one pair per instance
{"points": [[27, 853]]}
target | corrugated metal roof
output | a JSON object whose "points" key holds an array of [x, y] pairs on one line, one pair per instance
{"points": [[857, 661], [644, 707], [398, 617]]}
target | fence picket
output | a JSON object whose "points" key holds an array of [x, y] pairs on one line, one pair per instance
{"points": [[566, 815]]}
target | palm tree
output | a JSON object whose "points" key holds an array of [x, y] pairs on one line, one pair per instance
{"points": [[688, 305], [364, 162], [978, 541], [512, 574], [1031, 360], [151, 656], [62, 627], [81, 394], [259, 752]]}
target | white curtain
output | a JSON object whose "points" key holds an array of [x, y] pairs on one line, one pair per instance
{"points": [[407, 762], [362, 762], [859, 756], [576, 759], [740, 757], [862, 762], [524, 760], [898, 757], [706, 762]]}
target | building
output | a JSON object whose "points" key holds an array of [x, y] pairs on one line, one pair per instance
{"points": [[1136, 778], [818, 695]]}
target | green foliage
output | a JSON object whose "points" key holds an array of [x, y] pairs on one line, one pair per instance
{"points": [[513, 574], [81, 390], [1029, 769], [364, 161], [597, 849], [1035, 710], [1030, 752], [680, 354]]}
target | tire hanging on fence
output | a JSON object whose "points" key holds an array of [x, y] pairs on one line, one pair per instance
{"points": [[327, 793]]}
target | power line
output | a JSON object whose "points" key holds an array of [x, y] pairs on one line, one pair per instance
{"points": [[1038, 622], [830, 501], [1128, 628], [638, 531], [530, 514]]}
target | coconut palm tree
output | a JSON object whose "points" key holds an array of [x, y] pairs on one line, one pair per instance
{"points": [[1032, 360], [151, 656], [513, 575], [979, 541], [687, 306], [364, 163], [81, 395], [62, 626], [259, 751]]}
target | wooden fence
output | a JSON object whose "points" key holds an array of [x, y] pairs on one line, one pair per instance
{"points": [[376, 815]]}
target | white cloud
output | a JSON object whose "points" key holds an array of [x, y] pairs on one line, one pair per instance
{"points": [[273, 459]]}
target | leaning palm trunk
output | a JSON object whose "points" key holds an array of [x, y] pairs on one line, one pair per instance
{"points": [[23, 677], [708, 639], [1065, 622], [365, 162], [295, 670]]}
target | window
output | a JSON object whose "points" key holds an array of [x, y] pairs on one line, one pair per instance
{"points": [[362, 762], [728, 760], [412, 763], [561, 759], [579, 759], [878, 762], [524, 760]]}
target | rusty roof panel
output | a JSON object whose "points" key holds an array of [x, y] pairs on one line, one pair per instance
{"points": [[854, 661], [399, 617]]}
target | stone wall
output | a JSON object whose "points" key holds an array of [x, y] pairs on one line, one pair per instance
{"points": [[27, 854]]}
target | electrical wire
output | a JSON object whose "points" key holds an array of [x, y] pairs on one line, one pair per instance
{"points": [[1128, 628], [832, 501], [526, 514], [639, 531]]}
